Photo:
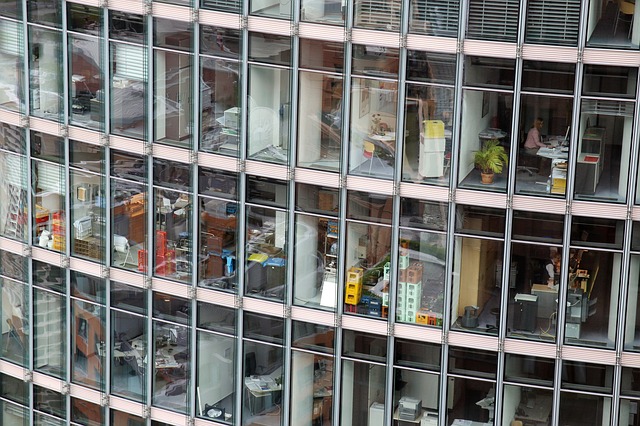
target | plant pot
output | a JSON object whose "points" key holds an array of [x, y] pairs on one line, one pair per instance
{"points": [[487, 178]]}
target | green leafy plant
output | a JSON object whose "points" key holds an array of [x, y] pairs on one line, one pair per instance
{"points": [[491, 158]]}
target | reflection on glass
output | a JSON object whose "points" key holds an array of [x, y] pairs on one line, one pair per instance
{"points": [[323, 11], [45, 90], [367, 266], [415, 394], [269, 114], [128, 227], [529, 369], [548, 25], [128, 351], [421, 276], [88, 229], [271, 8], [86, 413], [316, 247], [215, 376], [171, 355], [428, 120], [11, 65], [13, 414], [218, 242], [434, 17], [377, 15], [48, 215], [50, 337], [632, 334], [372, 147], [126, 26], [232, 6], [49, 401], [357, 403], [122, 418], [85, 67], [15, 315], [87, 342], [173, 235], [311, 388], [128, 85], [320, 121], [45, 12], [270, 48], [529, 404], [582, 409], [220, 106], [13, 196], [504, 18]]}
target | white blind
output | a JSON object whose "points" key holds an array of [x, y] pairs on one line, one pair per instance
{"points": [[14, 170], [223, 5], [493, 19], [130, 61], [435, 17], [553, 22], [615, 108], [10, 36], [378, 14], [49, 177]]}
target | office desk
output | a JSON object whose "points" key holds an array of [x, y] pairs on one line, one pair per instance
{"points": [[260, 390], [426, 418], [547, 296], [553, 153], [459, 422]]}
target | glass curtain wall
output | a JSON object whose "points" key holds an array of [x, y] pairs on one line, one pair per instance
{"points": [[12, 52], [13, 194]]}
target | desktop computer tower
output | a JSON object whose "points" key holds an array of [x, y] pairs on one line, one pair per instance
{"points": [[525, 312]]}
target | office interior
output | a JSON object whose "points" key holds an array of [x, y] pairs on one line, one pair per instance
{"points": [[608, 28]]}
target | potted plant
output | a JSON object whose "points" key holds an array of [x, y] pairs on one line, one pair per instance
{"points": [[490, 159]]}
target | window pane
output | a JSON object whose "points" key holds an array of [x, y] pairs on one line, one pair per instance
{"points": [[311, 388], [323, 11], [608, 29], [434, 17], [11, 64], [45, 47]]}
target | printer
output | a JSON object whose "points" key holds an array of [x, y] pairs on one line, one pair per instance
{"points": [[409, 408]]}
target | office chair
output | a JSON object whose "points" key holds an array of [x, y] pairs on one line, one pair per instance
{"points": [[624, 8], [369, 152], [524, 161]]}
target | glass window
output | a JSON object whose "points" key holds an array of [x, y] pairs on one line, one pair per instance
{"points": [[45, 89], [311, 388], [173, 83], [497, 73], [543, 145], [232, 6], [88, 337], [266, 257], [377, 15], [86, 413], [604, 141], [50, 402], [534, 278], [88, 229], [49, 213], [414, 354], [218, 234], [374, 60], [579, 375], [609, 80], [549, 77], [529, 369], [523, 404], [50, 339], [428, 118], [485, 141], [612, 25], [263, 327], [171, 352], [434, 17], [480, 220], [126, 26], [321, 55], [11, 9], [371, 347], [323, 11], [216, 363], [13, 194], [369, 207], [597, 232], [423, 214], [270, 48], [632, 328], [220, 91], [129, 207], [123, 418], [271, 8], [44, 12], [262, 377], [476, 291], [11, 64], [12, 139], [15, 316], [472, 400], [128, 85], [128, 350], [548, 227], [311, 336], [372, 147], [363, 393], [269, 114], [421, 278], [580, 409], [320, 121], [493, 20], [555, 22], [368, 256]]}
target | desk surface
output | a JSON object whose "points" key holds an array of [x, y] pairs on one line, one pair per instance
{"points": [[539, 412], [553, 153], [260, 386]]}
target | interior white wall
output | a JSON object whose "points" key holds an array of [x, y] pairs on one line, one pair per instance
{"points": [[510, 402], [49, 71], [632, 300], [215, 371], [474, 123], [347, 395], [281, 217], [457, 261], [615, 293], [310, 117], [160, 96], [595, 11], [306, 263], [606, 411], [265, 91], [625, 154], [302, 388], [422, 386]]}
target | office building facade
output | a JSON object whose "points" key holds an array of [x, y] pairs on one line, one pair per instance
{"points": [[274, 212]]}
